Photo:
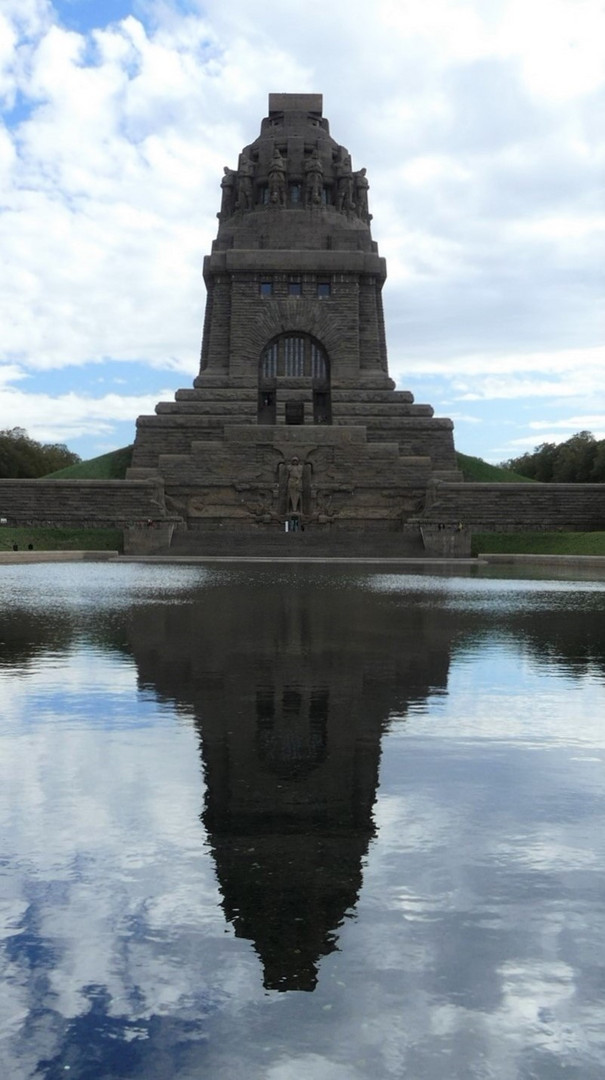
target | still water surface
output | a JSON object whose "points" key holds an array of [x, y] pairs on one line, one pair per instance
{"points": [[300, 823]]}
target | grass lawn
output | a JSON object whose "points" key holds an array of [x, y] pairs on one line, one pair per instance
{"points": [[540, 543], [47, 539], [111, 466], [474, 470]]}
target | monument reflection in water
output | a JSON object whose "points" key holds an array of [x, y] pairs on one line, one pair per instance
{"points": [[401, 815], [291, 689]]}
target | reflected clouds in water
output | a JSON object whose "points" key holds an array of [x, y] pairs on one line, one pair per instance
{"points": [[386, 792]]}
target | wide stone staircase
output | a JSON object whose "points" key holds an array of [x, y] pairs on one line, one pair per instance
{"points": [[310, 543]]}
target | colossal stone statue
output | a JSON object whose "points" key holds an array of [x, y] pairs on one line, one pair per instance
{"points": [[314, 174], [361, 194], [277, 179], [244, 184], [344, 175], [227, 193]]}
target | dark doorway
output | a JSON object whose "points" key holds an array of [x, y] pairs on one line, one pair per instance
{"points": [[266, 407], [321, 407], [295, 412]]}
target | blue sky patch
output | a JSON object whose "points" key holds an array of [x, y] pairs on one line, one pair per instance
{"points": [[86, 15]]}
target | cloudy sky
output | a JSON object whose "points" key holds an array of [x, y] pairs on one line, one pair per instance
{"points": [[480, 123]]}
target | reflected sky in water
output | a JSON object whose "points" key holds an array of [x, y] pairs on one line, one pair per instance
{"points": [[278, 823]]}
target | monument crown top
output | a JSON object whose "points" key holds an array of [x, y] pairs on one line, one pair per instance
{"points": [[296, 103]]}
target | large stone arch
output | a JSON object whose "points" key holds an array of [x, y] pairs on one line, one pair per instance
{"points": [[294, 379], [295, 355], [294, 316]]}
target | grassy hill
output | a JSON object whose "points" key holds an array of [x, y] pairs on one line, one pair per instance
{"points": [[475, 470], [110, 466]]}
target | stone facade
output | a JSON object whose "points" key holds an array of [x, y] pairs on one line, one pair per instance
{"points": [[293, 418], [455, 511], [94, 504]]}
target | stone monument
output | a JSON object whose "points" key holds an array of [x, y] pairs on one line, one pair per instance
{"points": [[293, 424]]}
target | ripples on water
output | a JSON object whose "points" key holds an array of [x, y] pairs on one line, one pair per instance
{"points": [[292, 822]]}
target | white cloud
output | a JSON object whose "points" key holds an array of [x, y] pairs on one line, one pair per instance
{"points": [[561, 46], [555, 362], [572, 423], [489, 389], [10, 373], [68, 416], [466, 418], [480, 126], [545, 436]]}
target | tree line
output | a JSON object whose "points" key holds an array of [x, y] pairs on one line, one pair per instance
{"points": [[579, 460], [23, 458]]}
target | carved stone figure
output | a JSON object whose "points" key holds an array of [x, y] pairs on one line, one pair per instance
{"points": [[314, 174], [277, 180], [227, 193], [295, 486], [361, 194], [244, 183], [344, 183]]}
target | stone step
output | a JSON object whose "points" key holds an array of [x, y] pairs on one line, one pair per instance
{"points": [[369, 397], [379, 412], [245, 409], [322, 543]]}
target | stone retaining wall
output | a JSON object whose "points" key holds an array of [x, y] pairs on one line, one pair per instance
{"points": [[81, 503], [453, 513], [516, 507]]}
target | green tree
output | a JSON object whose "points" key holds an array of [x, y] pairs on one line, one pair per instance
{"points": [[22, 457], [536, 466], [597, 475], [578, 460], [575, 459]]}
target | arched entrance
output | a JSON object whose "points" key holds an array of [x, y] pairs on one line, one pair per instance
{"points": [[294, 381]]}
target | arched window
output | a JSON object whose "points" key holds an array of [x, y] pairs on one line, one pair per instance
{"points": [[268, 364], [318, 362], [294, 356]]}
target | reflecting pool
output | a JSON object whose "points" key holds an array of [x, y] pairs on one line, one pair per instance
{"points": [[300, 823]]}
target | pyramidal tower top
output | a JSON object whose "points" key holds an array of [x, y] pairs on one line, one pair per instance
{"points": [[293, 419], [296, 213], [295, 167]]}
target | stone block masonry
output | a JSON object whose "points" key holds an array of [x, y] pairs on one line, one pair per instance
{"points": [[515, 507], [94, 504], [293, 414]]}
